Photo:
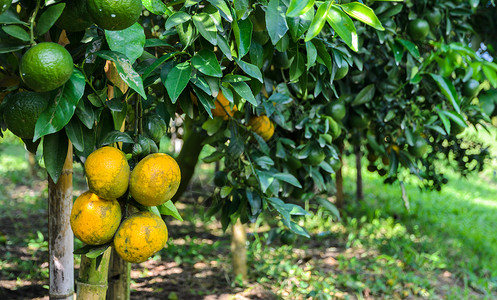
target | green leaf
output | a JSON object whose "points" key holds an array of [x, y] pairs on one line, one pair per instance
{"points": [[299, 7], [250, 70], [447, 89], [186, 34], [235, 78], [74, 130], [411, 47], [365, 95], [169, 209], [362, 13], [297, 67], [206, 62], [243, 36], [223, 45], [212, 125], [323, 54], [48, 18], [225, 191], [280, 206], [299, 25], [241, 7], [11, 17], [177, 18], [125, 70], [129, 41], [223, 8], [205, 99], [296, 228], [318, 21], [156, 7], [85, 113], [276, 21], [54, 153], [343, 26], [164, 58], [242, 89], [289, 178], [205, 25], [312, 54], [16, 31], [60, 112], [177, 80], [114, 137], [216, 156], [490, 74], [329, 206]]}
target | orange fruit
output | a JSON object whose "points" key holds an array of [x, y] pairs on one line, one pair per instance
{"points": [[95, 220], [155, 179], [107, 172], [46, 67], [262, 126], [140, 236], [114, 14], [223, 107]]}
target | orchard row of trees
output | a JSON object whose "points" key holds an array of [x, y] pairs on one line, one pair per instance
{"points": [[281, 89]]}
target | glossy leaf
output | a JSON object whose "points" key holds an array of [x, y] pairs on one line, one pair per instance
{"points": [[289, 178], [155, 6], [365, 95], [205, 25], [276, 21], [242, 89], [206, 62], [299, 25], [61, 110], [16, 31], [125, 69], [48, 18], [297, 67], [223, 8], [299, 7], [177, 80], [129, 41], [318, 21], [362, 13], [343, 26], [169, 209], [177, 18], [54, 153], [448, 90], [242, 30], [114, 137], [250, 69]]}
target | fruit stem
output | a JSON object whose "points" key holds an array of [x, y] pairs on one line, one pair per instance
{"points": [[32, 22]]}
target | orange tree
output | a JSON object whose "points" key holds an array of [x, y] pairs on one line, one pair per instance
{"points": [[276, 87], [423, 82]]}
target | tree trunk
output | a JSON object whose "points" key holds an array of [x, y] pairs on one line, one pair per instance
{"points": [[339, 179], [119, 278], [60, 236], [360, 190], [92, 282], [188, 157], [239, 250], [32, 164]]}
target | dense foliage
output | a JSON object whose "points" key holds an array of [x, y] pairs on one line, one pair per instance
{"points": [[327, 74]]}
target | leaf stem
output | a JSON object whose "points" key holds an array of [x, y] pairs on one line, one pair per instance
{"points": [[32, 22]]}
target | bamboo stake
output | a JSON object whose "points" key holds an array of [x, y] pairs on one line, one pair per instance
{"points": [[60, 236], [92, 282]]}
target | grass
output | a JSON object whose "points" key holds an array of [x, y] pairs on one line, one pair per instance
{"points": [[443, 247]]}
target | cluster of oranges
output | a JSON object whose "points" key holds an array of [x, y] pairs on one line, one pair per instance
{"points": [[97, 217], [261, 125]]}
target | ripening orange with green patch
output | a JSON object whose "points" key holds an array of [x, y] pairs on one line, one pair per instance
{"points": [[140, 236], [107, 172], [262, 126], [155, 179], [95, 220]]}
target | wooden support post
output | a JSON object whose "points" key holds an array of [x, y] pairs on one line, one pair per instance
{"points": [[60, 236]]}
